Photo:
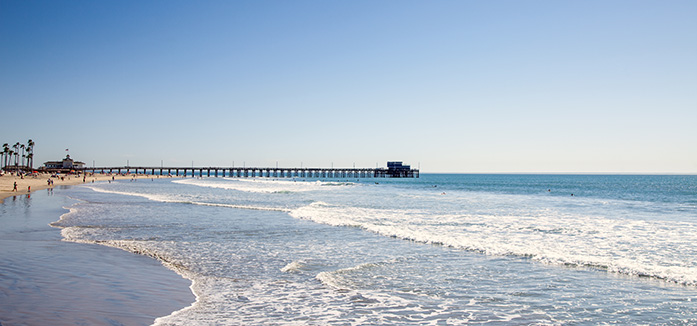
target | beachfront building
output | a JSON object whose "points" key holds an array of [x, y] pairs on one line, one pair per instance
{"points": [[66, 163]]}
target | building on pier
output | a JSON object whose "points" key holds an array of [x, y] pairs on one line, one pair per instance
{"points": [[396, 169]]}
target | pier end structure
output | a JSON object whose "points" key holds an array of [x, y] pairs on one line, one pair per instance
{"points": [[396, 169]]}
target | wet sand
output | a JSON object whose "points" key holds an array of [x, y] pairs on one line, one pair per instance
{"points": [[39, 182], [46, 281]]}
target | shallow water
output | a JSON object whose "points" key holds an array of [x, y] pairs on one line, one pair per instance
{"points": [[442, 249], [45, 281]]}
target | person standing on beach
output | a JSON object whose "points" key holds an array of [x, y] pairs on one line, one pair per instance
{"points": [[15, 188]]}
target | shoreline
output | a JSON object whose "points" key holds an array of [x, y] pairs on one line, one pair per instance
{"points": [[53, 282], [39, 182]]}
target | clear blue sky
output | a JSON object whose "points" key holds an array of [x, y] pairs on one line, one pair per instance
{"points": [[455, 86]]}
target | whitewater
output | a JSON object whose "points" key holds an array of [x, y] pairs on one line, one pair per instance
{"points": [[438, 250]]}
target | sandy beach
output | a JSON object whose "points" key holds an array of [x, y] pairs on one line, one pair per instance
{"points": [[47, 281], [28, 183]]}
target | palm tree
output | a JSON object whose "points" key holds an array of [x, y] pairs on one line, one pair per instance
{"points": [[23, 147], [11, 153], [16, 147], [30, 158], [5, 153], [30, 149]]}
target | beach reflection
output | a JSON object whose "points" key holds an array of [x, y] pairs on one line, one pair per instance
{"points": [[53, 282]]}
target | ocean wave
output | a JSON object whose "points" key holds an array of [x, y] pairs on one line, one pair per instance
{"points": [[293, 267], [629, 247], [154, 197], [256, 208], [61, 220], [262, 185], [181, 200], [340, 279]]}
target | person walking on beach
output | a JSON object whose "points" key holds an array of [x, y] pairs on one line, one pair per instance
{"points": [[15, 188]]}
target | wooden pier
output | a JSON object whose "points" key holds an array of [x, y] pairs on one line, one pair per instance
{"points": [[393, 171]]}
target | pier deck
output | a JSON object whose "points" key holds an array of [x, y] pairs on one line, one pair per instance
{"points": [[255, 172]]}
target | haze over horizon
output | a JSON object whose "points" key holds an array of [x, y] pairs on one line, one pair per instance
{"points": [[452, 86]]}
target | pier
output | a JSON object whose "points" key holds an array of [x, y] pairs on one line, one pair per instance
{"points": [[394, 170]]}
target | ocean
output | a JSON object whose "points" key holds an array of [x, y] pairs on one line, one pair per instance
{"points": [[443, 249]]}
